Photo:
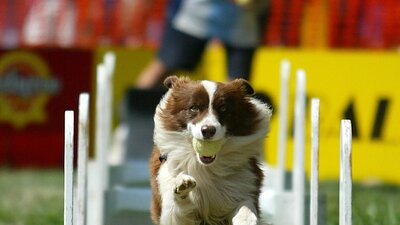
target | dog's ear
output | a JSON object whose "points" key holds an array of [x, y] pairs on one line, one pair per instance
{"points": [[245, 86], [169, 81]]}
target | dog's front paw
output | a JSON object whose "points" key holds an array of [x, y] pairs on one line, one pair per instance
{"points": [[244, 216], [184, 184]]}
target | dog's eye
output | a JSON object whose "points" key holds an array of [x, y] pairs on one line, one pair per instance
{"points": [[222, 108], [194, 109]]}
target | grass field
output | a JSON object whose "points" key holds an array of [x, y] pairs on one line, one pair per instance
{"points": [[35, 197], [31, 197]]}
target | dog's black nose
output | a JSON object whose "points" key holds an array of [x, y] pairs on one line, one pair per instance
{"points": [[208, 131]]}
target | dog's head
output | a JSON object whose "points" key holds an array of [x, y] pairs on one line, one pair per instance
{"points": [[210, 111]]}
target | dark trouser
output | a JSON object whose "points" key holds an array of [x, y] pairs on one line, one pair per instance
{"points": [[182, 51]]}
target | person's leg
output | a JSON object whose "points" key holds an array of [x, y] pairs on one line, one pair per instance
{"points": [[152, 75], [239, 62], [177, 51]]}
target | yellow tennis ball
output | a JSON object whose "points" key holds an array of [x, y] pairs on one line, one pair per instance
{"points": [[207, 148]]}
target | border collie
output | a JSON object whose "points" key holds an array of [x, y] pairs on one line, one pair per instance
{"points": [[223, 189]]}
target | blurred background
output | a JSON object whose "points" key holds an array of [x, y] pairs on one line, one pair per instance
{"points": [[349, 48]]}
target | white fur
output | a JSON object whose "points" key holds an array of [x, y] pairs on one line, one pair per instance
{"points": [[223, 189], [210, 119], [210, 87], [245, 214]]}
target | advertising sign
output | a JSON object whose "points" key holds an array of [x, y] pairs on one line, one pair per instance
{"points": [[36, 87]]}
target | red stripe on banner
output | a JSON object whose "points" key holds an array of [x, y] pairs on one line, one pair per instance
{"points": [[350, 23], [155, 23], [139, 23], [85, 28], [3, 9], [396, 25], [294, 22], [273, 35]]}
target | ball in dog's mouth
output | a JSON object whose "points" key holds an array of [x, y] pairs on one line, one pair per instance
{"points": [[207, 149]]}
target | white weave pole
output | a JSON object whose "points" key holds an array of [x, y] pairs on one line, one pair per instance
{"points": [[109, 64], [107, 71], [109, 61], [299, 133], [345, 194], [98, 173], [68, 167], [98, 170], [314, 161], [283, 115], [83, 149]]}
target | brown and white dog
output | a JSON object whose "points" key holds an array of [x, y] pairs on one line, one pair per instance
{"points": [[189, 188]]}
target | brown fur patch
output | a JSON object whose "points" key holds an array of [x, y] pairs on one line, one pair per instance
{"points": [[155, 164], [234, 110], [188, 101]]}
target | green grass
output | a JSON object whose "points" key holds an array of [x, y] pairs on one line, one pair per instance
{"points": [[372, 205], [35, 197], [31, 197]]}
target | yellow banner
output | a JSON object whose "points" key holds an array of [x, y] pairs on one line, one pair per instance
{"points": [[363, 86]]}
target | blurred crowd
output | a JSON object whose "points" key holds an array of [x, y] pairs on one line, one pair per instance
{"points": [[140, 23], [80, 23]]}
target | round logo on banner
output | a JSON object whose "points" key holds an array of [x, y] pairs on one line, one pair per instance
{"points": [[26, 85]]}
